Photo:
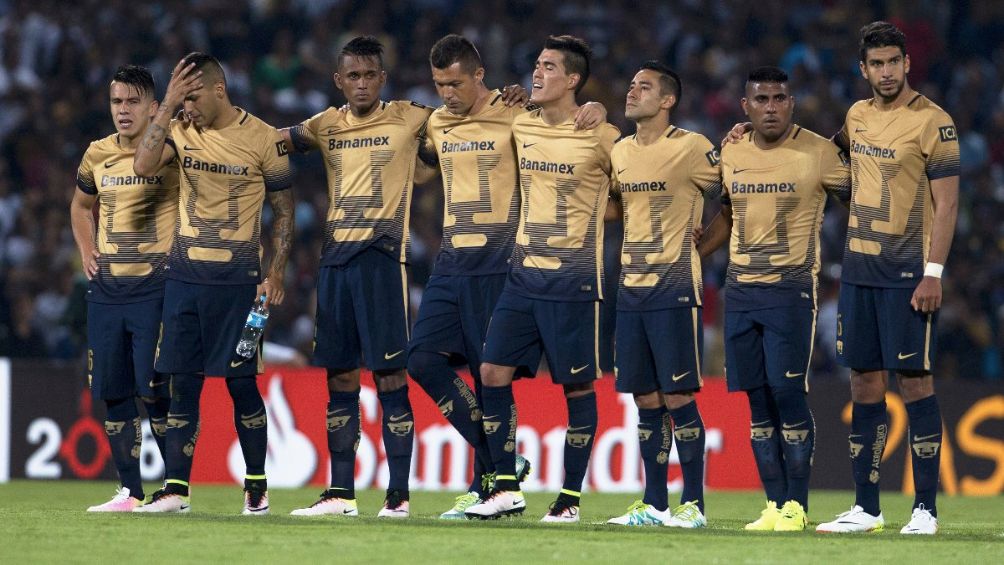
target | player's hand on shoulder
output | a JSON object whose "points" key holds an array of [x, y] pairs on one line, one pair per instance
{"points": [[590, 115], [515, 95], [273, 289], [927, 296], [737, 132]]}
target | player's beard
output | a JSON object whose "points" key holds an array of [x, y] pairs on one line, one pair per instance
{"points": [[888, 99]]}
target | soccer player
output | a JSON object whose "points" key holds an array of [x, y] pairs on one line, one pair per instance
{"points": [[550, 302], [905, 160], [230, 161], [362, 288], [124, 258], [469, 139], [775, 184], [662, 174]]}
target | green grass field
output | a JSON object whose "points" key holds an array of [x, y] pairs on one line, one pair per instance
{"points": [[46, 522]]}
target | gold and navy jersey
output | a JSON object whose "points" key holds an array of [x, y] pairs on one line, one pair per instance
{"points": [[137, 217], [777, 198], [370, 163], [224, 176], [564, 179], [477, 159], [894, 157], [663, 187]]}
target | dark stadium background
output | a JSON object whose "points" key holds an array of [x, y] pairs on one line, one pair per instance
{"points": [[56, 59]]}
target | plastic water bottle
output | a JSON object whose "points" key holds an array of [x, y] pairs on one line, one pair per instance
{"points": [[253, 328]]}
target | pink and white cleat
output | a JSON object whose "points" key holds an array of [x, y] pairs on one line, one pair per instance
{"points": [[121, 502]]}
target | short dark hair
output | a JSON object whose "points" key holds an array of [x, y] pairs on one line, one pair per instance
{"points": [[455, 49], [576, 53], [206, 63], [137, 77], [669, 81], [881, 34], [362, 46], [767, 74]]}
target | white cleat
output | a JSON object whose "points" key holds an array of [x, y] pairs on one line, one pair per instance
{"points": [[162, 501], [255, 502], [329, 505], [687, 515], [561, 513], [463, 502], [401, 510], [853, 521], [121, 502], [641, 514], [500, 503], [922, 522]]}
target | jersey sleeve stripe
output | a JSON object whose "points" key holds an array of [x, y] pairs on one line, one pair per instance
{"points": [[86, 186], [939, 168], [277, 181], [301, 141]]}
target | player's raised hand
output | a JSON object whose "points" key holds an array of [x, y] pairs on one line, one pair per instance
{"points": [[184, 80], [737, 132], [515, 95], [927, 297], [273, 289], [590, 115]]}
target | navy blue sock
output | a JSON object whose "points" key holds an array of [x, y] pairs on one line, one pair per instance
{"points": [[798, 430], [182, 429], [343, 439], [925, 444], [398, 436], [456, 401], [766, 443], [156, 410], [251, 424], [655, 442], [125, 437], [582, 421], [869, 430], [499, 422], [688, 429]]}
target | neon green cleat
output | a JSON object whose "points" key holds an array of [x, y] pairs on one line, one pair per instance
{"points": [[463, 502], [768, 518], [792, 518], [641, 514], [687, 515]]}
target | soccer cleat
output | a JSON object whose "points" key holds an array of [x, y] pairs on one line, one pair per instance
{"points": [[561, 511], [255, 502], [767, 520], [523, 468], [163, 501], [792, 518], [922, 522], [395, 506], [687, 515], [854, 520], [463, 502], [500, 503], [121, 502], [641, 514], [329, 503]]}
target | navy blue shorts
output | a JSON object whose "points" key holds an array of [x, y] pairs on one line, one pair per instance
{"points": [[566, 332], [877, 329], [121, 344], [202, 325], [659, 350], [454, 316], [769, 347], [362, 314]]}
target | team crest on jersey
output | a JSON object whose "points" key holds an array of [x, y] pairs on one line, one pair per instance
{"points": [[281, 149], [714, 157], [948, 133]]}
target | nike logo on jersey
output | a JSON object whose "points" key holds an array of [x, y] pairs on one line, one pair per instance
{"points": [[859, 130], [901, 356], [678, 377], [577, 370], [110, 165], [389, 356], [736, 171], [621, 171], [446, 131], [788, 427], [932, 436], [791, 375], [528, 145], [187, 148], [399, 418]]}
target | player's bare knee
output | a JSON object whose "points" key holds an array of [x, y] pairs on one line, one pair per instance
{"points": [[340, 380], [495, 375], [577, 389], [678, 400], [648, 400], [868, 387], [389, 381], [914, 386]]}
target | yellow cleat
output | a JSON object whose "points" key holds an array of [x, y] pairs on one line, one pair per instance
{"points": [[768, 518], [792, 518]]}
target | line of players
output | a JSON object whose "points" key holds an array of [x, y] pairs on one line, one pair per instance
{"points": [[529, 262]]}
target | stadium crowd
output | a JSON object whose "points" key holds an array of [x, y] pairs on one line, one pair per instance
{"points": [[56, 60]]}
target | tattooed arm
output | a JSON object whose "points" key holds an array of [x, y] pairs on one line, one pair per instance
{"points": [[282, 241], [153, 153]]}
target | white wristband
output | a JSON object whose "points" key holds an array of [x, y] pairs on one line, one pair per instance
{"points": [[933, 270]]}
